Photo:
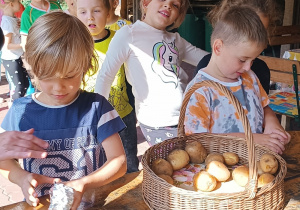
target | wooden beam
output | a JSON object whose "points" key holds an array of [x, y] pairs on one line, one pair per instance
{"points": [[123, 11]]}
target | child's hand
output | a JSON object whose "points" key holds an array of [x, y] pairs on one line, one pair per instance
{"points": [[18, 22], [16, 144], [29, 184], [271, 141], [278, 132], [79, 189]]}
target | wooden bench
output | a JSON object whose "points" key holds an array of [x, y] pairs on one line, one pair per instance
{"points": [[284, 71], [281, 35]]}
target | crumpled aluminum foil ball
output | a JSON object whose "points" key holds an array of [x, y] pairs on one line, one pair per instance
{"points": [[61, 197]]}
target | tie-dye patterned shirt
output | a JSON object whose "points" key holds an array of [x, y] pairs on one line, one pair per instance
{"points": [[208, 110]]}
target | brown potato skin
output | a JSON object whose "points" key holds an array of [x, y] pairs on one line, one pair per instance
{"points": [[268, 163], [167, 178], [161, 166], [178, 159], [214, 156], [230, 158], [218, 170], [204, 181], [240, 175], [196, 152], [264, 179]]}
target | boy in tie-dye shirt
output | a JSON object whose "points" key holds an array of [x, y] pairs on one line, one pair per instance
{"points": [[238, 38]]}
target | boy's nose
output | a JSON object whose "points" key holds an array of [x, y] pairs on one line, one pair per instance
{"points": [[247, 66], [58, 86]]}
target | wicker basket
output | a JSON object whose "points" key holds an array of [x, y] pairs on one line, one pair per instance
{"points": [[158, 194]]}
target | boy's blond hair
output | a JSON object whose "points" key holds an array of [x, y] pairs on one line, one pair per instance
{"points": [[182, 11], [60, 45], [240, 24]]}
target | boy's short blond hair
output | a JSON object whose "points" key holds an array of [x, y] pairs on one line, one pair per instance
{"points": [[240, 24], [60, 45]]}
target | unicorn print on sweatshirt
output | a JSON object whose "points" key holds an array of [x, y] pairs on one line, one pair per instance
{"points": [[165, 63]]}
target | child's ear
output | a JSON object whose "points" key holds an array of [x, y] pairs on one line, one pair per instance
{"points": [[217, 46], [115, 4], [145, 3]]}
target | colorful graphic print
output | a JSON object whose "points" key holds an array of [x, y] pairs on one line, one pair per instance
{"points": [[165, 63]]}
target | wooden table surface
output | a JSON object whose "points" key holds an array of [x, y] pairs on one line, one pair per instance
{"points": [[126, 192]]}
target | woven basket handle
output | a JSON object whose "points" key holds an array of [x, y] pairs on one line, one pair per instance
{"points": [[252, 185]]}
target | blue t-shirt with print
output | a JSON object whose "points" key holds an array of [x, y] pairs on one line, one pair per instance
{"points": [[75, 133]]}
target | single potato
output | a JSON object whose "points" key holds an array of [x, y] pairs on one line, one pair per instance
{"points": [[264, 179], [214, 156], [230, 158], [161, 166], [196, 152], [204, 181], [268, 163], [218, 170], [178, 159], [167, 178], [241, 175]]}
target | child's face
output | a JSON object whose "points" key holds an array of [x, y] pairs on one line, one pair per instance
{"points": [[69, 3], [71, 7], [59, 91], [93, 14], [16, 6], [233, 60], [161, 13]]}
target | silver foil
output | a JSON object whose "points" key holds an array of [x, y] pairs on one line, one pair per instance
{"points": [[61, 197]]}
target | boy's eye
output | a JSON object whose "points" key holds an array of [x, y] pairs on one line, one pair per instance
{"points": [[97, 10], [176, 6], [242, 61]]}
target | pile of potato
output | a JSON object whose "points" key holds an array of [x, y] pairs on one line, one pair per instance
{"points": [[266, 167], [216, 167], [194, 152]]}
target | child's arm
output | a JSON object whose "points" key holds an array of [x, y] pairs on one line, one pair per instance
{"points": [[114, 167], [8, 45], [23, 41], [25, 180], [26, 23], [16, 144], [192, 54], [273, 127], [116, 55], [274, 136], [268, 140]]}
